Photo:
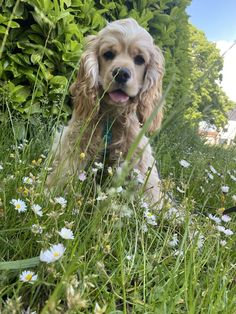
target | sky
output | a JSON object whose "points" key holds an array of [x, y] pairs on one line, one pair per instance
{"points": [[217, 19]]}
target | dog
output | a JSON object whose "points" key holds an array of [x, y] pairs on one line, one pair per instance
{"points": [[119, 85]]}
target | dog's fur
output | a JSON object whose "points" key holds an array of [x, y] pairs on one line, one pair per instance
{"points": [[127, 100]]}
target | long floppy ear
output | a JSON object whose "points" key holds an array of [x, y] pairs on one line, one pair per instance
{"points": [[85, 89], [151, 92]]}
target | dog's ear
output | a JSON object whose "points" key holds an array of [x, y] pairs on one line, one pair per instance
{"points": [[151, 92], [85, 89]]}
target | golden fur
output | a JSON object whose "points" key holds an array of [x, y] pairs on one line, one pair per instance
{"points": [[120, 78]]}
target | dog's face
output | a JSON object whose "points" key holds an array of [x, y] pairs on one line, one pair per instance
{"points": [[122, 67]]}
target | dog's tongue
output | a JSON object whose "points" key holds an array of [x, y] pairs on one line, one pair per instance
{"points": [[118, 96]]}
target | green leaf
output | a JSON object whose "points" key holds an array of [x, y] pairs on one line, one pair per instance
{"points": [[20, 264], [58, 80]]}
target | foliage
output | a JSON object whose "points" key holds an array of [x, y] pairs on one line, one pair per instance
{"points": [[119, 261], [208, 101]]}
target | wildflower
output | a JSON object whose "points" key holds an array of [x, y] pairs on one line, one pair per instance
{"points": [[144, 205], [225, 189], [27, 180], [54, 253], [82, 176], [151, 219], [101, 197], [214, 218], [225, 218], [119, 189], [227, 232], [223, 242], [20, 205], [210, 176], [82, 156], [61, 201], [174, 241], [37, 229], [184, 163], [178, 253], [37, 209], [28, 276], [66, 233], [213, 170]]}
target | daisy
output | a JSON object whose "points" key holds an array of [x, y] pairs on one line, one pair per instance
{"points": [[37, 209], [54, 253], [184, 163], [214, 218], [20, 205], [101, 197], [28, 276], [225, 218], [223, 242], [61, 201], [174, 241], [66, 233], [28, 180], [225, 189], [82, 176], [213, 170]]}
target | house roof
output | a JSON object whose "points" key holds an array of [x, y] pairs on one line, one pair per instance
{"points": [[232, 115]]}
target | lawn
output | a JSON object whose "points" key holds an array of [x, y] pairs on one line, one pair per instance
{"points": [[99, 247]]}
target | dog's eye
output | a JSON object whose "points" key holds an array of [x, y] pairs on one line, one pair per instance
{"points": [[139, 60], [109, 55]]}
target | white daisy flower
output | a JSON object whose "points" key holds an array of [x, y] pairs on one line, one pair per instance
{"points": [[54, 253], [223, 242], [28, 180], [66, 233], [174, 242], [37, 209], [184, 163], [20, 205], [225, 189], [214, 218], [101, 197], [228, 232], [210, 176], [213, 170], [233, 178], [119, 189], [82, 176], [28, 276], [61, 201], [151, 219], [225, 218]]}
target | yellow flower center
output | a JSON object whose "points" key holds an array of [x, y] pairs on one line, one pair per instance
{"points": [[28, 277], [55, 254], [18, 206]]}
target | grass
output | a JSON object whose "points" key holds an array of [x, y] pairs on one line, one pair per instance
{"points": [[122, 258]]}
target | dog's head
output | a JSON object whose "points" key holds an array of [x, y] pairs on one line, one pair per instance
{"points": [[122, 65]]}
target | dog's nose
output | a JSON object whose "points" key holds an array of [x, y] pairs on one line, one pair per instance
{"points": [[121, 75]]}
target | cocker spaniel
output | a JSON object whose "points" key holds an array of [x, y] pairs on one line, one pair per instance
{"points": [[118, 86]]}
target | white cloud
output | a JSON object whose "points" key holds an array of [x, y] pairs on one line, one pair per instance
{"points": [[229, 70]]}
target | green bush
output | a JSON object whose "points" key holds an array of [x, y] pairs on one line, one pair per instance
{"points": [[42, 42]]}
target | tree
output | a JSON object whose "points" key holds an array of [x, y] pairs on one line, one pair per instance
{"points": [[207, 101]]}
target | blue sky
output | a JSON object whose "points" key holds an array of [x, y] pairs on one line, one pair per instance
{"points": [[217, 18]]}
